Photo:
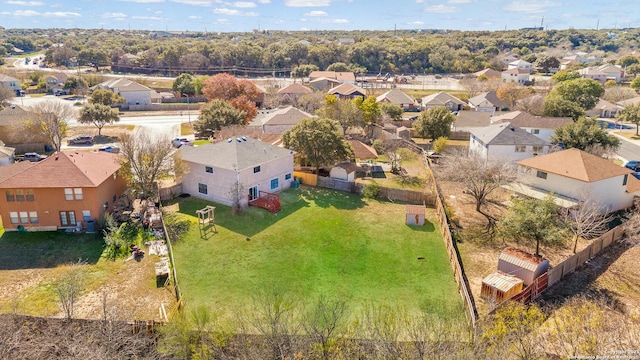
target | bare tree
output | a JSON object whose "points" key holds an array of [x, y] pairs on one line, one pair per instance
{"points": [[6, 94], [70, 287], [146, 161], [587, 220], [532, 104], [472, 86], [615, 94], [323, 322], [51, 120], [478, 176]]}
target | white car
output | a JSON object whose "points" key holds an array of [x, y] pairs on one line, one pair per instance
{"points": [[177, 142]]}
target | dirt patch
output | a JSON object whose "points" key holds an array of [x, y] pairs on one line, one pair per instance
{"points": [[478, 250]]}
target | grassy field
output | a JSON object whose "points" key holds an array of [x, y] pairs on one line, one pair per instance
{"points": [[322, 243]]}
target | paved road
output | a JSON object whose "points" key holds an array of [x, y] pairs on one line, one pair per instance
{"points": [[628, 150]]}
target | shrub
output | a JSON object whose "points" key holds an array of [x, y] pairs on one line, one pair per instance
{"points": [[371, 190], [378, 145], [176, 227], [406, 154], [440, 144]]}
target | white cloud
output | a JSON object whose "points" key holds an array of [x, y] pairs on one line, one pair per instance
{"points": [[233, 12], [419, 1], [114, 15], [143, 1], [440, 9], [194, 2], [316, 13], [194, 17], [243, 4], [26, 13], [459, 1], [416, 23], [61, 14], [334, 21], [264, 1], [307, 3], [530, 7], [222, 21], [146, 18], [25, 3]]}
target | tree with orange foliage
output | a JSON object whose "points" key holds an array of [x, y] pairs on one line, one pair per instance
{"points": [[241, 94], [511, 92]]}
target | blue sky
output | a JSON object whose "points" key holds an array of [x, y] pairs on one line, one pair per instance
{"points": [[246, 15]]}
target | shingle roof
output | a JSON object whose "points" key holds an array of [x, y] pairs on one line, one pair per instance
{"points": [[633, 185], [362, 150], [506, 134], [488, 72], [346, 89], [520, 258], [523, 119], [65, 169], [575, 164], [285, 116], [396, 96], [122, 84], [295, 88], [340, 76], [488, 99], [632, 101], [440, 99], [6, 151], [235, 154], [7, 78]]}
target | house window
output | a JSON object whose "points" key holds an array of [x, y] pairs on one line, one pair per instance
{"points": [[202, 188], [287, 176], [625, 179], [521, 148], [208, 169], [537, 149], [11, 195], [68, 194], [274, 184], [30, 195], [541, 174], [77, 192], [24, 217], [67, 218], [86, 215], [535, 131], [33, 217], [19, 195], [13, 216], [256, 169]]}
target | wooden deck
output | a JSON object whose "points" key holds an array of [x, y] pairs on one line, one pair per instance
{"points": [[266, 200]]}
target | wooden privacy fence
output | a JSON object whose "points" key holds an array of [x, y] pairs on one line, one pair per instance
{"points": [[558, 272], [307, 178], [336, 184], [168, 193], [534, 290]]}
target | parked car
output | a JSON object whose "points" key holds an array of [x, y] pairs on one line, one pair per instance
{"points": [[110, 149], [87, 140], [177, 142], [636, 175], [633, 165], [31, 156]]}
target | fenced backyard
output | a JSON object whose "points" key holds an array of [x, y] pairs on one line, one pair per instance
{"points": [[322, 243]]}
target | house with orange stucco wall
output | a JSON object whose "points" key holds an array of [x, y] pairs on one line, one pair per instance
{"points": [[64, 190]]}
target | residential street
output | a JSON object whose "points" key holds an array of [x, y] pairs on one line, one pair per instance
{"points": [[629, 149]]}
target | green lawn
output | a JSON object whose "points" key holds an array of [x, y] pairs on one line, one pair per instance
{"points": [[322, 242]]}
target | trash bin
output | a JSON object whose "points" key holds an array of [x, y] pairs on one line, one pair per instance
{"points": [[299, 180], [91, 226], [294, 184]]}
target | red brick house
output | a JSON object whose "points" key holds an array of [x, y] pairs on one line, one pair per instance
{"points": [[61, 191]]}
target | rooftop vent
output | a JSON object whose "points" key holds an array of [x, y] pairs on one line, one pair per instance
{"points": [[244, 138], [229, 140]]}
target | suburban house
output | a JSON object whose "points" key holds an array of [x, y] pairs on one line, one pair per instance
{"points": [[347, 91], [542, 127], [603, 109], [509, 58], [487, 101], [398, 97], [520, 65], [279, 120], [489, 73], [55, 81], [518, 76], [323, 83], [292, 92], [215, 170], [33, 199], [505, 141], [10, 81], [575, 174], [12, 119], [132, 92], [128, 59], [441, 98], [603, 73], [578, 58], [632, 101], [341, 77]]}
